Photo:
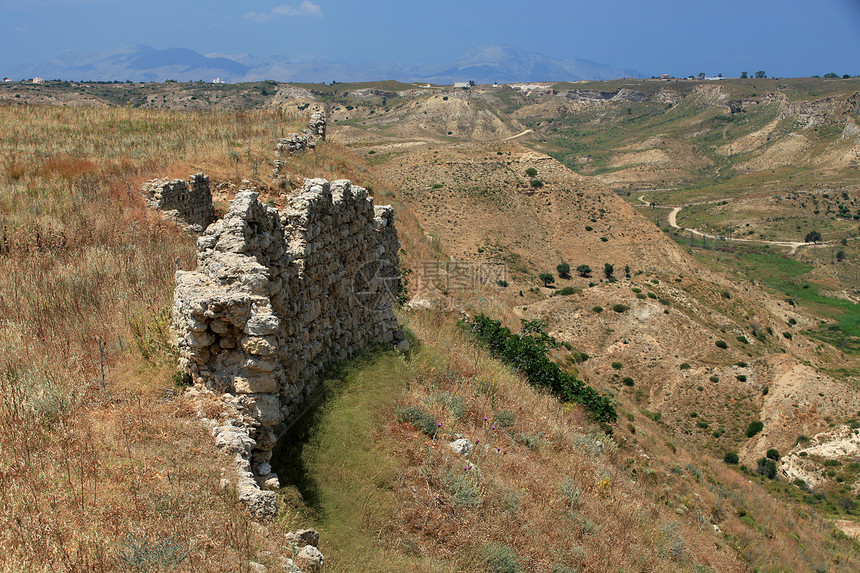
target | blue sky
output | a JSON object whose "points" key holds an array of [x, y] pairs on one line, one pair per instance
{"points": [[681, 37]]}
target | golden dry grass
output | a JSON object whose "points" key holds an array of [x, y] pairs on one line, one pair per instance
{"points": [[117, 476], [122, 477]]}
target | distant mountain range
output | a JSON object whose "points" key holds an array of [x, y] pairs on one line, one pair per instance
{"points": [[487, 64]]}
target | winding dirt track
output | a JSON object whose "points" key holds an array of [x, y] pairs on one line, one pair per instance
{"points": [[673, 222]]}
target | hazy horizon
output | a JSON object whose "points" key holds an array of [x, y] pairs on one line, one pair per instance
{"points": [[786, 38]]}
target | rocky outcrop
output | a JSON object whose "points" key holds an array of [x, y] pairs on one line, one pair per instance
{"points": [[279, 295], [824, 111], [188, 202]]}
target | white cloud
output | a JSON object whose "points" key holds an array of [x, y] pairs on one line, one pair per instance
{"points": [[306, 8]]}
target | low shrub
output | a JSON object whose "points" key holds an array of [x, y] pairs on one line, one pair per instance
{"points": [[502, 559], [505, 418], [731, 458], [527, 352], [619, 308], [767, 468], [754, 428], [721, 344], [420, 418]]}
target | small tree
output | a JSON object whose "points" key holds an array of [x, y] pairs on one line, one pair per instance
{"points": [[744, 75], [608, 269], [773, 454], [767, 468], [840, 255], [812, 237], [760, 75], [731, 458], [563, 270], [546, 278], [754, 428], [627, 271], [583, 270], [531, 171]]}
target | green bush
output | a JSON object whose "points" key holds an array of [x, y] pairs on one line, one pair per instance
{"points": [[597, 309], [502, 559], [617, 365], [536, 183], [620, 307], [714, 378], [568, 290], [741, 377], [685, 366], [563, 270], [652, 295], [767, 468], [182, 379], [773, 454], [505, 418], [546, 278], [608, 269], [641, 296], [655, 416], [627, 381], [420, 418], [721, 344], [787, 335], [527, 352], [754, 428], [531, 172], [743, 339], [583, 270], [730, 458]]}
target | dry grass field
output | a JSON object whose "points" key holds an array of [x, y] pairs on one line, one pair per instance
{"points": [[104, 466]]}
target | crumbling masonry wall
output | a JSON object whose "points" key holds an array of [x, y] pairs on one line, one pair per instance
{"points": [[188, 202], [278, 295]]}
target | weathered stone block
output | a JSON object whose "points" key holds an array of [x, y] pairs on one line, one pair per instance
{"points": [[255, 384]]}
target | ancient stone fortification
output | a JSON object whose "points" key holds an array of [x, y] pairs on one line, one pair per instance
{"points": [[276, 297], [188, 202], [298, 142]]}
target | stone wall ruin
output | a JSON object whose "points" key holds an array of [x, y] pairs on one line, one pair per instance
{"points": [[299, 142], [279, 295], [188, 202]]}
